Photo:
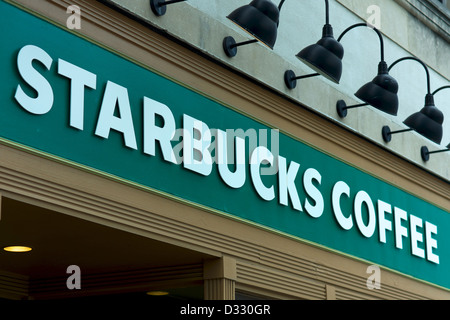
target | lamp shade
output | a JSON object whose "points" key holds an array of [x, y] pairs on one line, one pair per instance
{"points": [[428, 121], [325, 56], [259, 18], [381, 92]]}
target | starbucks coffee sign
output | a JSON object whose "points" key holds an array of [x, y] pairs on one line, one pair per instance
{"points": [[67, 97]]}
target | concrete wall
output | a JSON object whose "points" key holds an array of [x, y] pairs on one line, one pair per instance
{"points": [[203, 25]]}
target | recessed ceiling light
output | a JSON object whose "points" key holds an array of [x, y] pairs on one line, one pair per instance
{"points": [[158, 293], [17, 249]]}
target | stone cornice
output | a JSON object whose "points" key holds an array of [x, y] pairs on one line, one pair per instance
{"points": [[430, 14]]}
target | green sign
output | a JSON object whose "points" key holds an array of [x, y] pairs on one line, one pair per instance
{"points": [[65, 96]]}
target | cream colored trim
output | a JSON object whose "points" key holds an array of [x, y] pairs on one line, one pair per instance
{"points": [[219, 289], [330, 292], [224, 267]]}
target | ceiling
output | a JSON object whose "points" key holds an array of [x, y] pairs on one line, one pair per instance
{"points": [[59, 240]]}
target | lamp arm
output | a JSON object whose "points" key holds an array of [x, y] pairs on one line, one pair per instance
{"points": [[171, 2], [281, 4], [441, 88], [422, 63], [374, 29]]}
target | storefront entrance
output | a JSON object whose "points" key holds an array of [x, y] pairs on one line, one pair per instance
{"points": [[110, 261]]}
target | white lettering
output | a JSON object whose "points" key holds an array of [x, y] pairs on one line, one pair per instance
{"points": [[80, 79], [153, 133], [234, 179], [116, 95], [261, 155], [191, 310], [309, 176], [383, 223], [286, 181], [196, 141], [199, 143], [416, 236], [339, 189], [44, 100], [366, 230], [431, 242], [400, 230]]}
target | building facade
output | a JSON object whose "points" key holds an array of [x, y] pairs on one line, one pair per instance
{"points": [[139, 158]]}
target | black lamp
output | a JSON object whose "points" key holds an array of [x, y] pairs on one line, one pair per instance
{"points": [[260, 18], [425, 153], [325, 56], [381, 92], [159, 6], [428, 121]]}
